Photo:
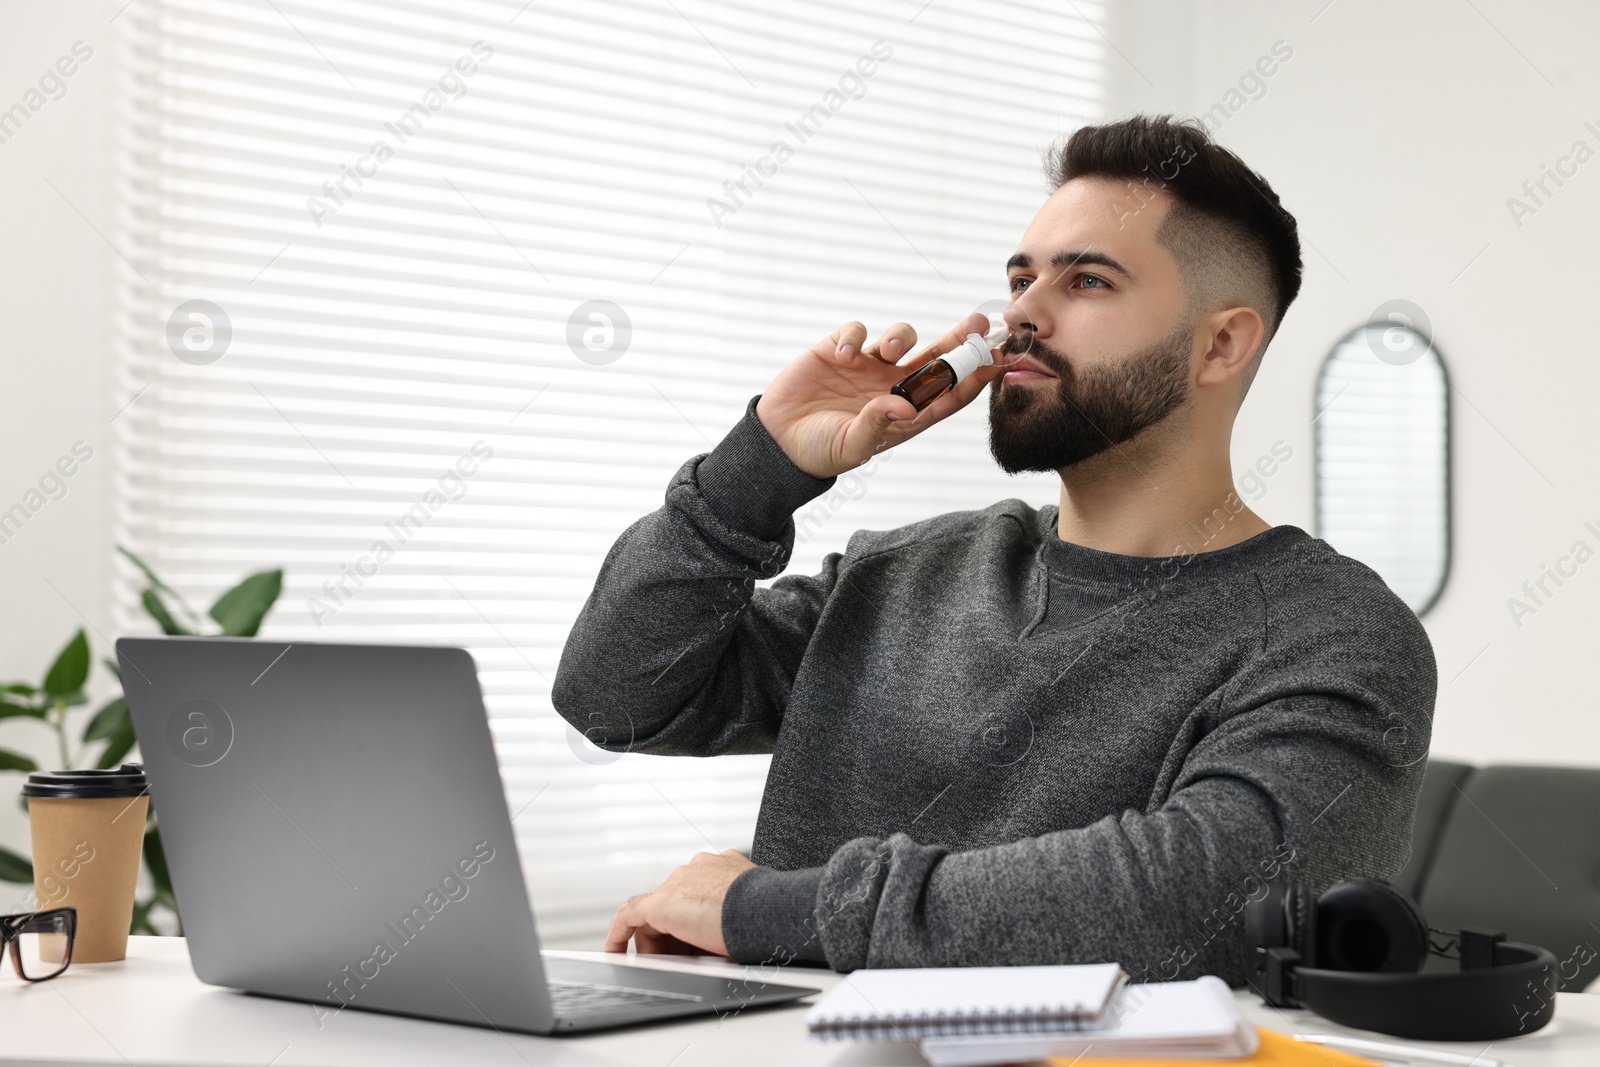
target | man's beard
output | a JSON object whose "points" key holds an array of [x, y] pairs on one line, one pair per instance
{"points": [[1035, 428]]}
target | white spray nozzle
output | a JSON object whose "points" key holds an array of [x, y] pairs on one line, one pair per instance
{"points": [[975, 351]]}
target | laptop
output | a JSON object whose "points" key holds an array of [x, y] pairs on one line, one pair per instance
{"points": [[336, 833]]}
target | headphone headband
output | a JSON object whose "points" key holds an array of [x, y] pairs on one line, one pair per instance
{"points": [[1502, 989]]}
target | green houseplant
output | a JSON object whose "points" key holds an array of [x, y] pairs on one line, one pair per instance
{"points": [[108, 735]]}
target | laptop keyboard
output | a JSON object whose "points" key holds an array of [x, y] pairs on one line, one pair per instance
{"points": [[587, 998]]}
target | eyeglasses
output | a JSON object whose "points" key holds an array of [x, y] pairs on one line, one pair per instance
{"points": [[41, 941]]}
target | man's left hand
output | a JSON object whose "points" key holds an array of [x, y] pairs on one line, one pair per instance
{"points": [[684, 916]]}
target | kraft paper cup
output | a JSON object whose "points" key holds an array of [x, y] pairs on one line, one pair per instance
{"points": [[88, 831]]}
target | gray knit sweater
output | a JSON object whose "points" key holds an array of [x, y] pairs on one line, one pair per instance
{"points": [[991, 746]]}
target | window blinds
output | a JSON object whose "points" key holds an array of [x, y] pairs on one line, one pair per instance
{"points": [[426, 303]]}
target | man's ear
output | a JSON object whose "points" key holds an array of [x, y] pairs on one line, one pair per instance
{"points": [[1235, 336]]}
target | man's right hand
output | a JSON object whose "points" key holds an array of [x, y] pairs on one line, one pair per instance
{"points": [[831, 409]]}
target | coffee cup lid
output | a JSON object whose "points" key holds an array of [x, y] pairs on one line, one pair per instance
{"points": [[125, 781]]}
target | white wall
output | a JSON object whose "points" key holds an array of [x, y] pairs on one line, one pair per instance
{"points": [[1395, 134], [55, 276]]}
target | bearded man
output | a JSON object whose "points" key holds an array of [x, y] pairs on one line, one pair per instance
{"points": [[1084, 732]]}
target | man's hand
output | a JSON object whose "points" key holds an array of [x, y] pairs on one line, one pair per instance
{"points": [[830, 410], [684, 916]]}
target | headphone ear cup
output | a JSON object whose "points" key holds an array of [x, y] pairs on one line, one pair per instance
{"points": [[1368, 925], [1265, 927]]}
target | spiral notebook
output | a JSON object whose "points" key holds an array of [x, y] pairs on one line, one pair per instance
{"points": [[911, 1004], [1199, 1018]]}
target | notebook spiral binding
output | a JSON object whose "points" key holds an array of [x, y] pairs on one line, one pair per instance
{"points": [[1033, 1020]]}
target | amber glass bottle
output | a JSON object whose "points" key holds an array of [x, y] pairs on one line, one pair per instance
{"points": [[938, 376], [926, 384]]}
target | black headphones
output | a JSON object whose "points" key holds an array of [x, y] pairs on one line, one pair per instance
{"points": [[1354, 955]]}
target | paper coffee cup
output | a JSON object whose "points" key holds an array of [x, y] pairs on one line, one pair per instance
{"points": [[88, 830]]}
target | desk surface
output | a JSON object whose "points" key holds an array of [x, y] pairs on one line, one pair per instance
{"points": [[150, 1009]]}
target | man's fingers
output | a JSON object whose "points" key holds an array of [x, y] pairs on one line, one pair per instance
{"points": [[648, 939], [882, 412], [871, 430], [873, 422], [842, 344], [849, 340], [627, 919], [896, 341]]}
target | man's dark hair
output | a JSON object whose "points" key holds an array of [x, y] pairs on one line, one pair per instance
{"points": [[1233, 241]]}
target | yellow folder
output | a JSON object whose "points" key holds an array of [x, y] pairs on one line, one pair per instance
{"points": [[1276, 1050]]}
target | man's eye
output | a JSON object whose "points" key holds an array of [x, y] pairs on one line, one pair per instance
{"points": [[1099, 283], [1017, 284]]}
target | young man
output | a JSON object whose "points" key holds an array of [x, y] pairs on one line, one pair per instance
{"points": [[1079, 733]]}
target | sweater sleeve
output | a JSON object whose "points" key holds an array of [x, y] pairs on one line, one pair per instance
{"points": [[676, 652], [1312, 781]]}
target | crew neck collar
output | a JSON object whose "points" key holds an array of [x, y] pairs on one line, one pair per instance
{"points": [[1073, 561]]}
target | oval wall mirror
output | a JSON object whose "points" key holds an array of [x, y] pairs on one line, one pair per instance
{"points": [[1382, 420]]}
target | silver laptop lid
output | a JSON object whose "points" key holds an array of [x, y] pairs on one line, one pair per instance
{"points": [[335, 826]]}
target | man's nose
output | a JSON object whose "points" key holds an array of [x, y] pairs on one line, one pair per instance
{"points": [[1018, 318]]}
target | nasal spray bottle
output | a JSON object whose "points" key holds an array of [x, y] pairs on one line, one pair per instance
{"points": [[932, 380]]}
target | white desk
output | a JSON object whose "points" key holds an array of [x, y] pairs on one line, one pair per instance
{"points": [[150, 1009]]}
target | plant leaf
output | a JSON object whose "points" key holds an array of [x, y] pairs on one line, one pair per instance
{"points": [[241, 609], [71, 668], [107, 721], [15, 761], [111, 665], [156, 582], [156, 859], [156, 608], [18, 687], [9, 710], [118, 745], [155, 605], [15, 868]]}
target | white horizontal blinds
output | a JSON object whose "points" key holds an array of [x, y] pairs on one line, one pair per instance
{"points": [[906, 208], [1382, 459], [425, 321]]}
